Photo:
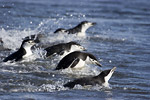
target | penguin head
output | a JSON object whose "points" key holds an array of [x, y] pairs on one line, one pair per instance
{"points": [[92, 59], [74, 46], [28, 43], [35, 37], [61, 30], [106, 74], [86, 24]]}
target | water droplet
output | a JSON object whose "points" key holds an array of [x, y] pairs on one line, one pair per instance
{"points": [[110, 61], [125, 88], [123, 39], [53, 75]]}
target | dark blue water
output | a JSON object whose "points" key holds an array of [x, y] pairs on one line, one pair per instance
{"points": [[120, 38]]}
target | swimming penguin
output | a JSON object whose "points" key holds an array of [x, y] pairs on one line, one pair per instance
{"points": [[80, 29], [35, 37], [101, 79], [63, 49], [77, 59], [23, 52]]}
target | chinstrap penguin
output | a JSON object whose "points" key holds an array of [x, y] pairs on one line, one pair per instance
{"points": [[77, 59], [101, 79], [23, 52], [80, 29], [63, 49]]}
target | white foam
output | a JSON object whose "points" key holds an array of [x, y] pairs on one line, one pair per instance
{"points": [[63, 37], [58, 86], [39, 53], [13, 38]]}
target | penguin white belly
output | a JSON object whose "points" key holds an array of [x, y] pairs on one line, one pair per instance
{"points": [[80, 64], [81, 34], [106, 84], [28, 53]]}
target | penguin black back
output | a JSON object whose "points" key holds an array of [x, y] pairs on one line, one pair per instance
{"points": [[77, 28], [63, 47], [58, 49]]}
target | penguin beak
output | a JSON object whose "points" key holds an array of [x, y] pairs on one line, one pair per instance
{"points": [[33, 42], [97, 63], [93, 23], [113, 69]]}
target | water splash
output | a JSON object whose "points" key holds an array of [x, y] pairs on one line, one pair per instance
{"points": [[12, 39], [58, 86]]}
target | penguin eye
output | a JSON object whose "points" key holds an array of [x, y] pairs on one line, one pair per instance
{"points": [[29, 41], [82, 48]]}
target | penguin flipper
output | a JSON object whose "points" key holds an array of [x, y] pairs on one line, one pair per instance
{"points": [[74, 63]]}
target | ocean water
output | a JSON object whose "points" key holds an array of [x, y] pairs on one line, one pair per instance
{"points": [[120, 38]]}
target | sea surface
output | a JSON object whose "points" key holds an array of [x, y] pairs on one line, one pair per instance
{"points": [[120, 38]]}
